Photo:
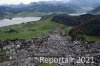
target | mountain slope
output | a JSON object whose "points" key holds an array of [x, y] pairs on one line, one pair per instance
{"points": [[8, 12], [95, 11], [91, 28], [74, 20], [4, 10], [84, 26], [85, 5]]}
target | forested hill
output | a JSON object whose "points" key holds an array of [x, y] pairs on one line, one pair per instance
{"points": [[91, 28], [84, 24], [74, 20]]}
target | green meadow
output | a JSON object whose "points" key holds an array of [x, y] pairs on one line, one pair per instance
{"points": [[93, 38], [30, 29], [45, 64]]}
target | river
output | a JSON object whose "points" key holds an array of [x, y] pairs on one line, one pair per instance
{"points": [[7, 22]]}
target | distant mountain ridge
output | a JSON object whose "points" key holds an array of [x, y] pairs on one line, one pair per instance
{"points": [[37, 7], [95, 11], [93, 3]]}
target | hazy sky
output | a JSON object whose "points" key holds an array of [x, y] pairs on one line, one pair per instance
{"points": [[22, 1], [17, 1]]}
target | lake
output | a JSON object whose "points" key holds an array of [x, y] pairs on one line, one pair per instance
{"points": [[76, 14], [7, 22]]}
